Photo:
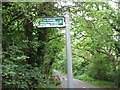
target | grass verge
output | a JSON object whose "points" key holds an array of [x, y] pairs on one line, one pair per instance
{"points": [[100, 83]]}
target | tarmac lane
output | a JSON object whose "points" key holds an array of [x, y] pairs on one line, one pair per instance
{"points": [[77, 84]]}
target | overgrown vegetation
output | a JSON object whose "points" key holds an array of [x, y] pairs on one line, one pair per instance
{"points": [[28, 52], [31, 53]]}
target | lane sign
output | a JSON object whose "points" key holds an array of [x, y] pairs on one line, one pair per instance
{"points": [[50, 22]]}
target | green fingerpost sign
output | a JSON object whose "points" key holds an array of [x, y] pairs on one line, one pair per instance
{"points": [[60, 22], [50, 22]]}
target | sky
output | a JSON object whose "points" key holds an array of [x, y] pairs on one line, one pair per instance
{"points": [[70, 3], [113, 5]]}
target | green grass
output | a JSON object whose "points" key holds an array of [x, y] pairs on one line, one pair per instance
{"points": [[100, 83]]}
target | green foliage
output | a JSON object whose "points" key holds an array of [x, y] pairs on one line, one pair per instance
{"points": [[94, 40], [60, 62], [28, 52], [85, 77], [100, 83], [101, 65], [78, 68], [18, 76], [23, 76], [95, 46]]}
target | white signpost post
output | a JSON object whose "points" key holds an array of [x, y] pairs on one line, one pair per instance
{"points": [[60, 22], [68, 52]]}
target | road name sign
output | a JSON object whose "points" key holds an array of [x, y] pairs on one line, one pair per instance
{"points": [[50, 22]]}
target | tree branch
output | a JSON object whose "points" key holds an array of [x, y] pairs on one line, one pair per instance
{"points": [[83, 57], [100, 51], [107, 53]]}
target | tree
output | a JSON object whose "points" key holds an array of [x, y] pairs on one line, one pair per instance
{"points": [[94, 40], [26, 48]]}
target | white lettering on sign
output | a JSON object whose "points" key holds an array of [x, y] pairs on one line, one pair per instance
{"points": [[50, 22]]}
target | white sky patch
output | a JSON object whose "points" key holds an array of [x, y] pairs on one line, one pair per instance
{"points": [[54, 0], [63, 31], [67, 3], [113, 5], [70, 2], [88, 18], [116, 36]]}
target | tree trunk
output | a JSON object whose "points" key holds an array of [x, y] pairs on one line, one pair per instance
{"points": [[28, 31], [42, 38]]}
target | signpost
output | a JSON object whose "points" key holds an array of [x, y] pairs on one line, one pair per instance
{"points": [[60, 22], [50, 22]]}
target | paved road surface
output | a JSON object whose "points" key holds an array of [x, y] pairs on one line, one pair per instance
{"points": [[77, 83]]}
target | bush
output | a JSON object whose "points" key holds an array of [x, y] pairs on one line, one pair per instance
{"points": [[85, 77], [100, 66], [22, 76]]}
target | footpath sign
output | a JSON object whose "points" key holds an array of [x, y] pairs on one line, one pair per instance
{"points": [[50, 22], [60, 22]]}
